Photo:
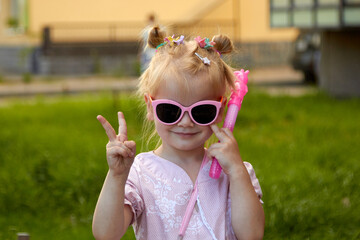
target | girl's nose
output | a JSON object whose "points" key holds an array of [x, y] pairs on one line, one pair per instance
{"points": [[185, 121]]}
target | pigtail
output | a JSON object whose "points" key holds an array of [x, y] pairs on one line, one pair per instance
{"points": [[156, 37], [223, 44]]}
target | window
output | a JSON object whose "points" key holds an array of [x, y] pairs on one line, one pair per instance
{"points": [[352, 16], [310, 14]]}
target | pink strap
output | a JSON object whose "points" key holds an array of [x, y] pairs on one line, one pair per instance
{"points": [[191, 204]]}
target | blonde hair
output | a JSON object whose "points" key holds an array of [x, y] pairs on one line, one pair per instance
{"points": [[179, 63]]}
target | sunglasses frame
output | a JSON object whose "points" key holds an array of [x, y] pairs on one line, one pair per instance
{"points": [[188, 109]]}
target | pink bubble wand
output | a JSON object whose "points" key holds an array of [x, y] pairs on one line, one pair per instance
{"points": [[234, 105]]}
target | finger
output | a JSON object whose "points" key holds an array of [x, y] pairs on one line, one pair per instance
{"points": [[127, 145], [114, 144], [131, 145], [219, 133], [229, 133], [214, 146], [128, 149], [215, 151], [110, 132], [122, 127], [120, 151]]}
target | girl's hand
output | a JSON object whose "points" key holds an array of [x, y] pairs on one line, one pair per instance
{"points": [[120, 152], [247, 214], [226, 151]]}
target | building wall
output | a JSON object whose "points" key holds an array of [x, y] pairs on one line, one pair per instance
{"points": [[258, 45], [255, 24], [339, 66], [251, 18], [43, 12]]}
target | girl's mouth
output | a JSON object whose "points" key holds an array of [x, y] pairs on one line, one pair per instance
{"points": [[185, 133]]}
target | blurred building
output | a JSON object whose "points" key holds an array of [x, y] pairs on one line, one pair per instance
{"points": [[88, 35], [338, 22]]}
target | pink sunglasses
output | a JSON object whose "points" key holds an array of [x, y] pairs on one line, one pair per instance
{"points": [[202, 113]]}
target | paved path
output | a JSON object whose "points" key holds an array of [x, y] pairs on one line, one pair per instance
{"points": [[280, 80], [275, 80], [68, 85]]}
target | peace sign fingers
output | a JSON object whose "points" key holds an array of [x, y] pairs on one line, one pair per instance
{"points": [[110, 132], [120, 152]]}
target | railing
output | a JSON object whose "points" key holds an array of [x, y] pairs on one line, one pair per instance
{"points": [[93, 32], [206, 29]]}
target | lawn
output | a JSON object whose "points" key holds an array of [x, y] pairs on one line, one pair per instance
{"points": [[305, 151]]}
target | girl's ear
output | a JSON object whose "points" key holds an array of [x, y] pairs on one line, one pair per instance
{"points": [[149, 114]]}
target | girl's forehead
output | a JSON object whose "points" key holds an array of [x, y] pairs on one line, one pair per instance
{"points": [[188, 91]]}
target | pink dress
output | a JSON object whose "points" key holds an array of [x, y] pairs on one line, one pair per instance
{"points": [[158, 191]]}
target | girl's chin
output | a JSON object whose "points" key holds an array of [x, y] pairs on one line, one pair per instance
{"points": [[189, 146]]}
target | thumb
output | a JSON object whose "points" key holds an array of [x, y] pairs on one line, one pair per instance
{"points": [[131, 145]]}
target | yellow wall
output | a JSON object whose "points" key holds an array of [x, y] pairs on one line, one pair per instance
{"points": [[43, 12], [252, 22], [223, 18], [4, 5]]}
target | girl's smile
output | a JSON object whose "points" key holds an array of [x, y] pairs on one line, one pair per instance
{"points": [[186, 134]]}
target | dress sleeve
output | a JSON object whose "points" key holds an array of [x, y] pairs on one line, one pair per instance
{"points": [[133, 196], [254, 180]]}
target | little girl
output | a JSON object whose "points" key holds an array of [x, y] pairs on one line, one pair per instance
{"points": [[167, 193]]}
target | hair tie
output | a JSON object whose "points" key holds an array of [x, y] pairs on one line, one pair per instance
{"points": [[204, 42], [179, 40], [160, 45], [171, 40]]}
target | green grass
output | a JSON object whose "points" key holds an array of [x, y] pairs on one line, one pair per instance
{"points": [[305, 151]]}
